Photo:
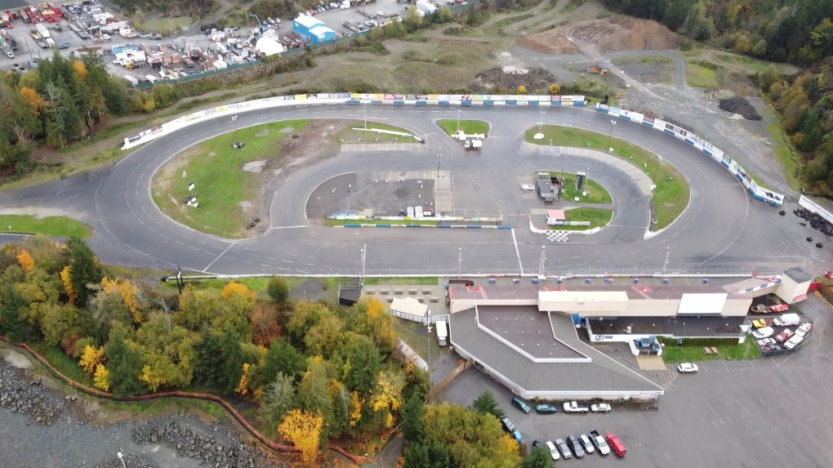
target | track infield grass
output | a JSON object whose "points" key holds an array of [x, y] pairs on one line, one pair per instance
{"points": [[53, 226], [671, 194], [468, 126]]}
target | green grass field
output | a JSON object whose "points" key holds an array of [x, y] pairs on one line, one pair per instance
{"points": [[54, 226], [221, 183], [598, 217], [672, 192], [726, 349], [700, 74], [785, 154], [595, 192], [468, 126]]}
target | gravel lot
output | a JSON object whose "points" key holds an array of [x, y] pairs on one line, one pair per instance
{"points": [[40, 428]]}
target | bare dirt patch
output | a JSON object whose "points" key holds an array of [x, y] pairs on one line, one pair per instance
{"points": [[498, 79], [609, 35], [254, 166]]}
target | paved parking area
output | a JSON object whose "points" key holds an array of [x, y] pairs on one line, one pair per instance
{"points": [[764, 412]]}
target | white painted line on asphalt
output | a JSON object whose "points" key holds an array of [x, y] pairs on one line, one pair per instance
{"points": [[288, 227], [517, 252], [715, 414], [204, 270]]}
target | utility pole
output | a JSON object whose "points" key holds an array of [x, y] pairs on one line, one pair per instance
{"points": [[364, 262], [667, 258], [541, 272], [610, 136], [458, 119], [365, 116], [439, 158]]}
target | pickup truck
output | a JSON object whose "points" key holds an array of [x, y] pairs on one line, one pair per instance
{"points": [[575, 407], [599, 442]]}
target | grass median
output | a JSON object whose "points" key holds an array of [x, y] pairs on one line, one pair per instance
{"points": [[598, 217], [470, 127], [671, 194], [53, 226], [595, 192]]}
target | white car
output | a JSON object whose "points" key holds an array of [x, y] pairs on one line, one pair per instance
{"points": [[765, 332], [553, 451], [793, 342], [766, 341], [587, 443], [600, 408], [575, 407], [687, 368], [804, 329]]}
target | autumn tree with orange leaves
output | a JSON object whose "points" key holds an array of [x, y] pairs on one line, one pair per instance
{"points": [[303, 429]]}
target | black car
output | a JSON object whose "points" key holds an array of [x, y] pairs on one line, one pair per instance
{"points": [[575, 446]]}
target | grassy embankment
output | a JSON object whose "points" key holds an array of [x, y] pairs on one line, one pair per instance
{"points": [[53, 226], [671, 194], [468, 126]]}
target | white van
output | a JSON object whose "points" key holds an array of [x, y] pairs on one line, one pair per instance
{"points": [[442, 333], [787, 320]]}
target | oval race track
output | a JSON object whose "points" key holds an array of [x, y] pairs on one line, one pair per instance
{"points": [[722, 231]]}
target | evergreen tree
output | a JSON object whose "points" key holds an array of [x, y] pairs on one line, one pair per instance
{"points": [[278, 290], [537, 458], [282, 357], [124, 364], [11, 324], [487, 404], [427, 456], [209, 363], [232, 365], [85, 269], [363, 365], [412, 425]]}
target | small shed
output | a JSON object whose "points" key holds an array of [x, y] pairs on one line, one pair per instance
{"points": [[555, 217], [349, 293]]}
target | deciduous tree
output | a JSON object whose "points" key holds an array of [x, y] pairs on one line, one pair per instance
{"points": [[304, 430], [90, 358], [25, 260], [278, 399], [278, 290], [102, 377]]}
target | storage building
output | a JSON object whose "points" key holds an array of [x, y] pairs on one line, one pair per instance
{"points": [[312, 29]]}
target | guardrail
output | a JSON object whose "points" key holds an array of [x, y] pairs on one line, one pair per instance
{"points": [[757, 192], [815, 208], [462, 100]]}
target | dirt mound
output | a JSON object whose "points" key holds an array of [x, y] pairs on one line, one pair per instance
{"points": [[609, 35], [739, 105], [496, 79]]}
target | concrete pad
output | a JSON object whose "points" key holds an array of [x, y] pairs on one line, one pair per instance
{"points": [[650, 363]]}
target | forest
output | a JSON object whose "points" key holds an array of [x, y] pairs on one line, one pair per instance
{"points": [[305, 372]]}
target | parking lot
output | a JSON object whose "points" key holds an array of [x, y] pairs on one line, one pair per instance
{"points": [[764, 412]]}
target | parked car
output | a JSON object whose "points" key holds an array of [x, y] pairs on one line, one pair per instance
{"points": [[545, 408], [575, 446], [575, 407], [616, 445], [517, 436], [787, 320], [763, 332], [779, 308], [804, 329], [586, 444], [553, 450], [521, 404], [794, 341], [563, 448], [766, 341], [600, 408], [507, 425], [599, 442], [687, 368], [784, 335], [760, 323]]}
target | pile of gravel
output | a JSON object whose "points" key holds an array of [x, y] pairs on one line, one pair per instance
{"points": [[739, 105], [130, 460], [204, 448], [29, 397]]}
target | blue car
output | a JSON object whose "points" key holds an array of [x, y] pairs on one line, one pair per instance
{"points": [[517, 436], [545, 408]]}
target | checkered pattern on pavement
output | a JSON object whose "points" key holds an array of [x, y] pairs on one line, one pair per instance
{"points": [[558, 236]]}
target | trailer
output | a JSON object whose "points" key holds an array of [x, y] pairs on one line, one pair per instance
{"points": [[442, 333], [543, 182]]}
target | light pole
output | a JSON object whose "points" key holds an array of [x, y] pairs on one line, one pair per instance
{"points": [[365, 116], [439, 159], [610, 135], [364, 261], [458, 119], [121, 458], [459, 261], [428, 325]]}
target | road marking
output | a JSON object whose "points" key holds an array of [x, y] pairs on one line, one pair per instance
{"points": [[517, 251], [288, 227], [715, 414], [204, 270]]}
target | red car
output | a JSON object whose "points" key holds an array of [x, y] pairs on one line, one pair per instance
{"points": [[616, 445], [784, 335]]}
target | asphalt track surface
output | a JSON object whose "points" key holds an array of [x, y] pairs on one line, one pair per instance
{"points": [[722, 231]]}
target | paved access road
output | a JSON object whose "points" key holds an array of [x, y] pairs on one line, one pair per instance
{"points": [[722, 230], [762, 412]]}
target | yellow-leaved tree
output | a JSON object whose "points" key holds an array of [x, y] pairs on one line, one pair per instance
{"points": [[152, 378], [355, 408], [102, 377], [243, 385], [304, 430], [66, 279], [387, 396], [235, 288], [127, 290], [90, 358], [25, 260]]}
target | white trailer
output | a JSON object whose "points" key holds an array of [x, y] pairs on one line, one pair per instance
{"points": [[442, 333]]}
